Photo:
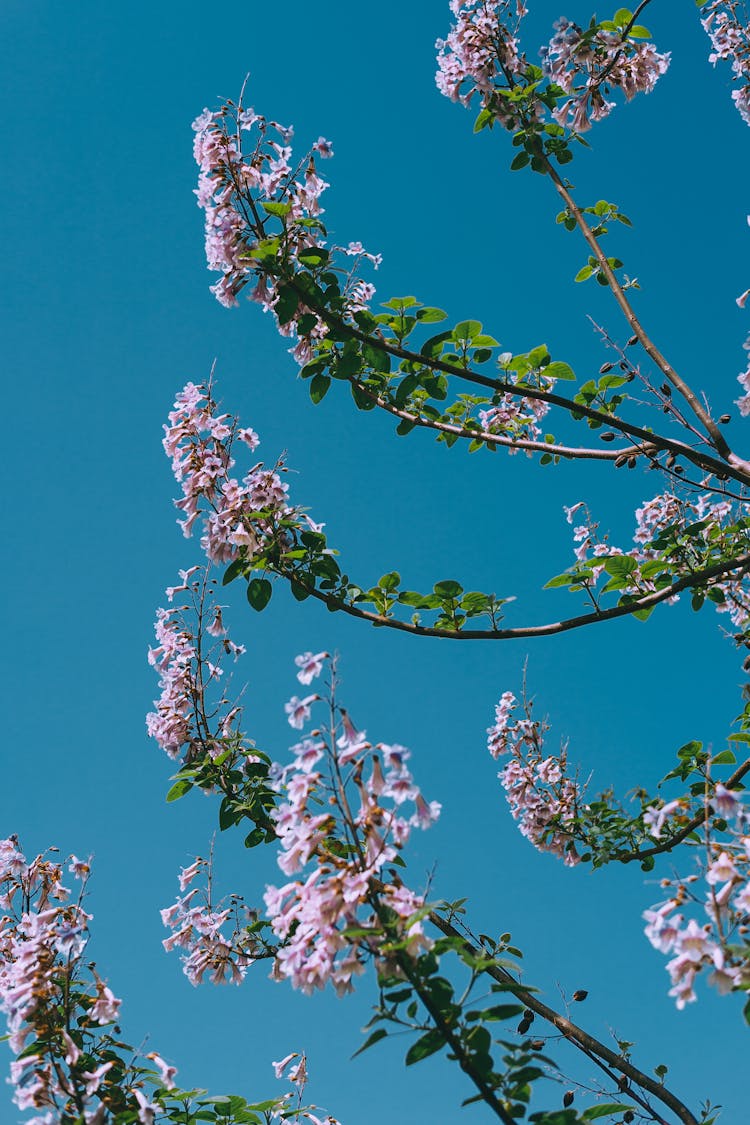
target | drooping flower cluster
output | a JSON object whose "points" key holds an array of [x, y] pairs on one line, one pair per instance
{"points": [[339, 829], [217, 942], [480, 52], [717, 939], [249, 183], [192, 711], [61, 1006], [238, 516], [588, 64], [542, 798], [674, 534], [347, 810], [728, 27]]}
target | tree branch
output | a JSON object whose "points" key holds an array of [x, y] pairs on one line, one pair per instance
{"points": [[741, 564], [696, 821], [737, 469], [571, 452], [718, 440], [571, 1031]]}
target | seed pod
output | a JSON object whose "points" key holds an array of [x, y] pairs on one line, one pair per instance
{"points": [[568, 1098], [605, 367], [632, 341], [620, 461], [622, 1082], [537, 1044], [725, 418], [608, 435], [628, 1116], [523, 1026], [580, 994], [631, 462]]}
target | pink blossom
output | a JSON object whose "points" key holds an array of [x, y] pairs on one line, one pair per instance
{"points": [[298, 710], [310, 666]]}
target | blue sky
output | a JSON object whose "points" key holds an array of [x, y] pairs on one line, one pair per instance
{"points": [[107, 314]]}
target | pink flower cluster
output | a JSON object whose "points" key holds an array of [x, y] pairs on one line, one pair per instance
{"points": [[190, 671], [239, 517], [587, 68], [518, 417], [241, 192], [541, 797], [47, 998], [198, 929], [727, 25], [344, 816], [480, 53], [296, 1073], [666, 512], [743, 402], [240, 520], [226, 174], [719, 945]]}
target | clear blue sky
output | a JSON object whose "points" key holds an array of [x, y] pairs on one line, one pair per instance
{"points": [[107, 314]]}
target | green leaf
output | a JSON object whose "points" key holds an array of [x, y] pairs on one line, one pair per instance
{"points": [[620, 566], [559, 370], [584, 274], [431, 316], [498, 1012], [639, 32], [724, 758], [319, 387], [370, 1040], [426, 1045], [448, 589], [604, 1110], [623, 16], [278, 209], [520, 160], [313, 256], [559, 580], [434, 345], [390, 581], [259, 592], [485, 118], [234, 570], [179, 789], [539, 356], [466, 330]]}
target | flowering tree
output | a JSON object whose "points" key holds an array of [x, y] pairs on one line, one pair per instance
{"points": [[341, 810]]}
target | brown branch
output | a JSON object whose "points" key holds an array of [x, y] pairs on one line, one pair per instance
{"points": [[497, 439], [741, 563], [684, 832], [571, 1031], [738, 470], [718, 440]]}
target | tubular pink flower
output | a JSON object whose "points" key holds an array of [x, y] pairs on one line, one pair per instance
{"points": [[541, 797]]}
